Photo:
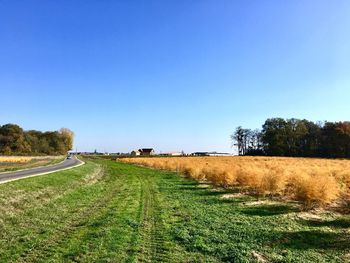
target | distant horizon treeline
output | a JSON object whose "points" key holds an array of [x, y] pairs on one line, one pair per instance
{"points": [[295, 138], [15, 141]]}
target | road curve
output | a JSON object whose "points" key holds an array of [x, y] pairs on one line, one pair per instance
{"points": [[16, 175]]}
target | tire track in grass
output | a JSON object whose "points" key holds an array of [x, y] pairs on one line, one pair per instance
{"points": [[117, 219], [100, 237], [133, 247], [108, 228], [153, 246]]}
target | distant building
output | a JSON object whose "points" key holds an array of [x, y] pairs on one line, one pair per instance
{"points": [[210, 154], [172, 154], [200, 154], [143, 152], [147, 151], [218, 154], [135, 153]]}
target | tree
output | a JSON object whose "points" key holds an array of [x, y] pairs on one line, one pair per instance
{"points": [[255, 143], [295, 132], [68, 137], [12, 139], [274, 137], [294, 137], [33, 139], [248, 142], [239, 139], [15, 141], [336, 139], [311, 142]]}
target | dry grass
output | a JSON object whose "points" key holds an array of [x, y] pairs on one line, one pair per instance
{"points": [[13, 163], [94, 176], [314, 182], [15, 159]]}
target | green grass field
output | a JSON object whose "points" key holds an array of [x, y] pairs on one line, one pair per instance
{"points": [[107, 211]]}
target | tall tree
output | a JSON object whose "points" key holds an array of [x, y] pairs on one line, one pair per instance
{"points": [[68, 137], [248, 142], [255, 143], [237, 139], [274, 136], [336, 139]]}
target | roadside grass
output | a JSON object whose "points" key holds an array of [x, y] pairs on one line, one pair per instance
{"points": [[107, 211], [34, 162]]}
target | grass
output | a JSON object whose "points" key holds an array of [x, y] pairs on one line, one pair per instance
{"points": [[107, 211], [8, 164]]}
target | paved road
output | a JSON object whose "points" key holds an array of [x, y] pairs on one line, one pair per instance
{"points": [[68, 163]]}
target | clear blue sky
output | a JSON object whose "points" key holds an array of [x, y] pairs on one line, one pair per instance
{"points": [[173, 75]]}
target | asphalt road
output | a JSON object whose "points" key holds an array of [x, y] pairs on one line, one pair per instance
{"points": [[10, 176]]}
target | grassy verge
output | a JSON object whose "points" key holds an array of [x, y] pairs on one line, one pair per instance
{"points": [[35, 162], [106, 211]]}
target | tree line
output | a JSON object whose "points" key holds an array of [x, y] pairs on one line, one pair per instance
{"points": [[15, 141], [295, 138]]}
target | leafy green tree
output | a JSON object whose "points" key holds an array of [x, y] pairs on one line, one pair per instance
{"points": [[274, 136], [294, 137], [311, 142], [336, 139]]}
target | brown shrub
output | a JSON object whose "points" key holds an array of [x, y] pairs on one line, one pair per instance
{"points": [[315, 190], [272, 182], [219, 176]]}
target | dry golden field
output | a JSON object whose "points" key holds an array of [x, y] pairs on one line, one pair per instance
{"points": [[13, 163], [312, 181], [15, 159]]}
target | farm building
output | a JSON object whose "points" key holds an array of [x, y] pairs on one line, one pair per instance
{"points": [[172, 154], [143, 152], [218, 154], [200, 154], [210, 154], [135, 153]]}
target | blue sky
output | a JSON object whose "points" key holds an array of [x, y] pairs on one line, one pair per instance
{"points": [[173, 75]]}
